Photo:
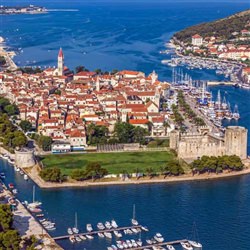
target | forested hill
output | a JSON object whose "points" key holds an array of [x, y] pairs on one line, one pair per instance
{"points": [[222, 28]]}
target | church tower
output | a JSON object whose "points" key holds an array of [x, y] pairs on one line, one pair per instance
{"points": [[60, 62]]}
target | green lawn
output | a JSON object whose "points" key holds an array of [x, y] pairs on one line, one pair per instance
{"points": [[115, 163]]}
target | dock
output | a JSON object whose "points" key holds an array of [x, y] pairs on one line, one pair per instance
{"points": [[96, 232], [175, 242]]}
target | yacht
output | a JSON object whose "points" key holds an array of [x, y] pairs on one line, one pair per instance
{"points": [[186, 246], [75, 228], [195, 245], [89, 227]]}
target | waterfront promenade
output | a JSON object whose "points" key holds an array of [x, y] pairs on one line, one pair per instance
{"points": [[34, 175]]}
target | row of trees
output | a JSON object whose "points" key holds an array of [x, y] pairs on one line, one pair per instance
{"points": [[188, 112], [177, 116], [217, 164], [52, 174], [123, 133]]}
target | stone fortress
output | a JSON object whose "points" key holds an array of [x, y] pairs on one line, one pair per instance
{"points": [[193, 145]]}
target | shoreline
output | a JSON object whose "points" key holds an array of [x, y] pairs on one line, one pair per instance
{"points": [[33, 175]]}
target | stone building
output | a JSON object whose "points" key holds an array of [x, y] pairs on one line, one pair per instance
{"points": [[24, 158], [193, 145]]}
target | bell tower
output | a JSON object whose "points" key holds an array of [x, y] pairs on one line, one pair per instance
{"points": [[60, 62]]}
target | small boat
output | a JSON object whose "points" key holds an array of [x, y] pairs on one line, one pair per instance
{"points": [[134, 244], [72, 239], [101, 235], [89, 227], [186, 246], [170, 247], [17, 169], [139, 242], [21, 172], [26, 177], [35, 210], [90, 237], [11, 185], [82, 237], [108, 235], [195, 244], [34, 204], [114, 247], [39, 215], [134, 230], [149, 242]]}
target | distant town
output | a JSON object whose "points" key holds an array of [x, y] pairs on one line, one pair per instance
{"points": [[31, 9]]}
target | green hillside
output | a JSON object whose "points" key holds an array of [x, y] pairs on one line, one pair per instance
{"points": [[222, 28]]}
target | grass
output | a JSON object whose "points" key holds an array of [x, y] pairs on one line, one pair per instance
{"points": [[115, 163]]}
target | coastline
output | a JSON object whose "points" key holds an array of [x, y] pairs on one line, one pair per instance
{"points": [[33, 174]]}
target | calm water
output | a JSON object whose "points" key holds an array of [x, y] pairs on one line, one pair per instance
{"points": [[130, 35]]}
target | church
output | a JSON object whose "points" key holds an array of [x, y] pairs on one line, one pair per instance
{"points": [[61, 71]]}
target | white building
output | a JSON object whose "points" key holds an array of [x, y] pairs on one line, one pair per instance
{"points": [[197, 40]]}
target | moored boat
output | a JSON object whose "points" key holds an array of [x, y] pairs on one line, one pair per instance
{"points": [[195, 245], [186, 246]]}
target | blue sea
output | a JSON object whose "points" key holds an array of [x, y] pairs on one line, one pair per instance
{"points": [[129, 35]]}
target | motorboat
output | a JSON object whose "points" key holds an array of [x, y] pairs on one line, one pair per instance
{"points": [[186, 246], [129, 243], [114, 247], [134, 230], [195, 244], [108, 235], [101, 235], [78, 239], [35, 210], [89, 227], [144, 229], [90, 237], [158, 237], [72, 239], [108, 225], [14, 191], [139, 242], [11, 185], [82, 237], [25, 177], [170, 247], [114, 224], [117, 234], [70, 231], [2, 175], [149, 242], [100, 226], [134, 244]]}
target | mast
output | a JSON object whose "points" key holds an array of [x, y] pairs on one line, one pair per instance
{"points": [[134, 212], [75, 220]]}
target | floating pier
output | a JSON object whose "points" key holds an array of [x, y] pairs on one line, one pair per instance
{"points": [[96, 232]]}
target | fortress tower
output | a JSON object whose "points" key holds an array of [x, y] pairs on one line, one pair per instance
{"points": [[236, 141], [60, 62]]}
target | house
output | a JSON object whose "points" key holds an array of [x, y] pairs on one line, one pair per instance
{"points": [[60, 147]]}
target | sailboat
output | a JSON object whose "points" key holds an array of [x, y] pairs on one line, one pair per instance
{"points": [[236, 114], [75, 229], [133, 220], [34, 204]]}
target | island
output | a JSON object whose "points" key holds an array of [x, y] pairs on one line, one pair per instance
{"points": [[31, 9]]}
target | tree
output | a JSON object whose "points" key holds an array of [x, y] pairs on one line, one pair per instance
{"points": [[11, 109], [80, 68], [78, 174], [51, 174], [19, 139], [45, 142], [25, 125]]}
